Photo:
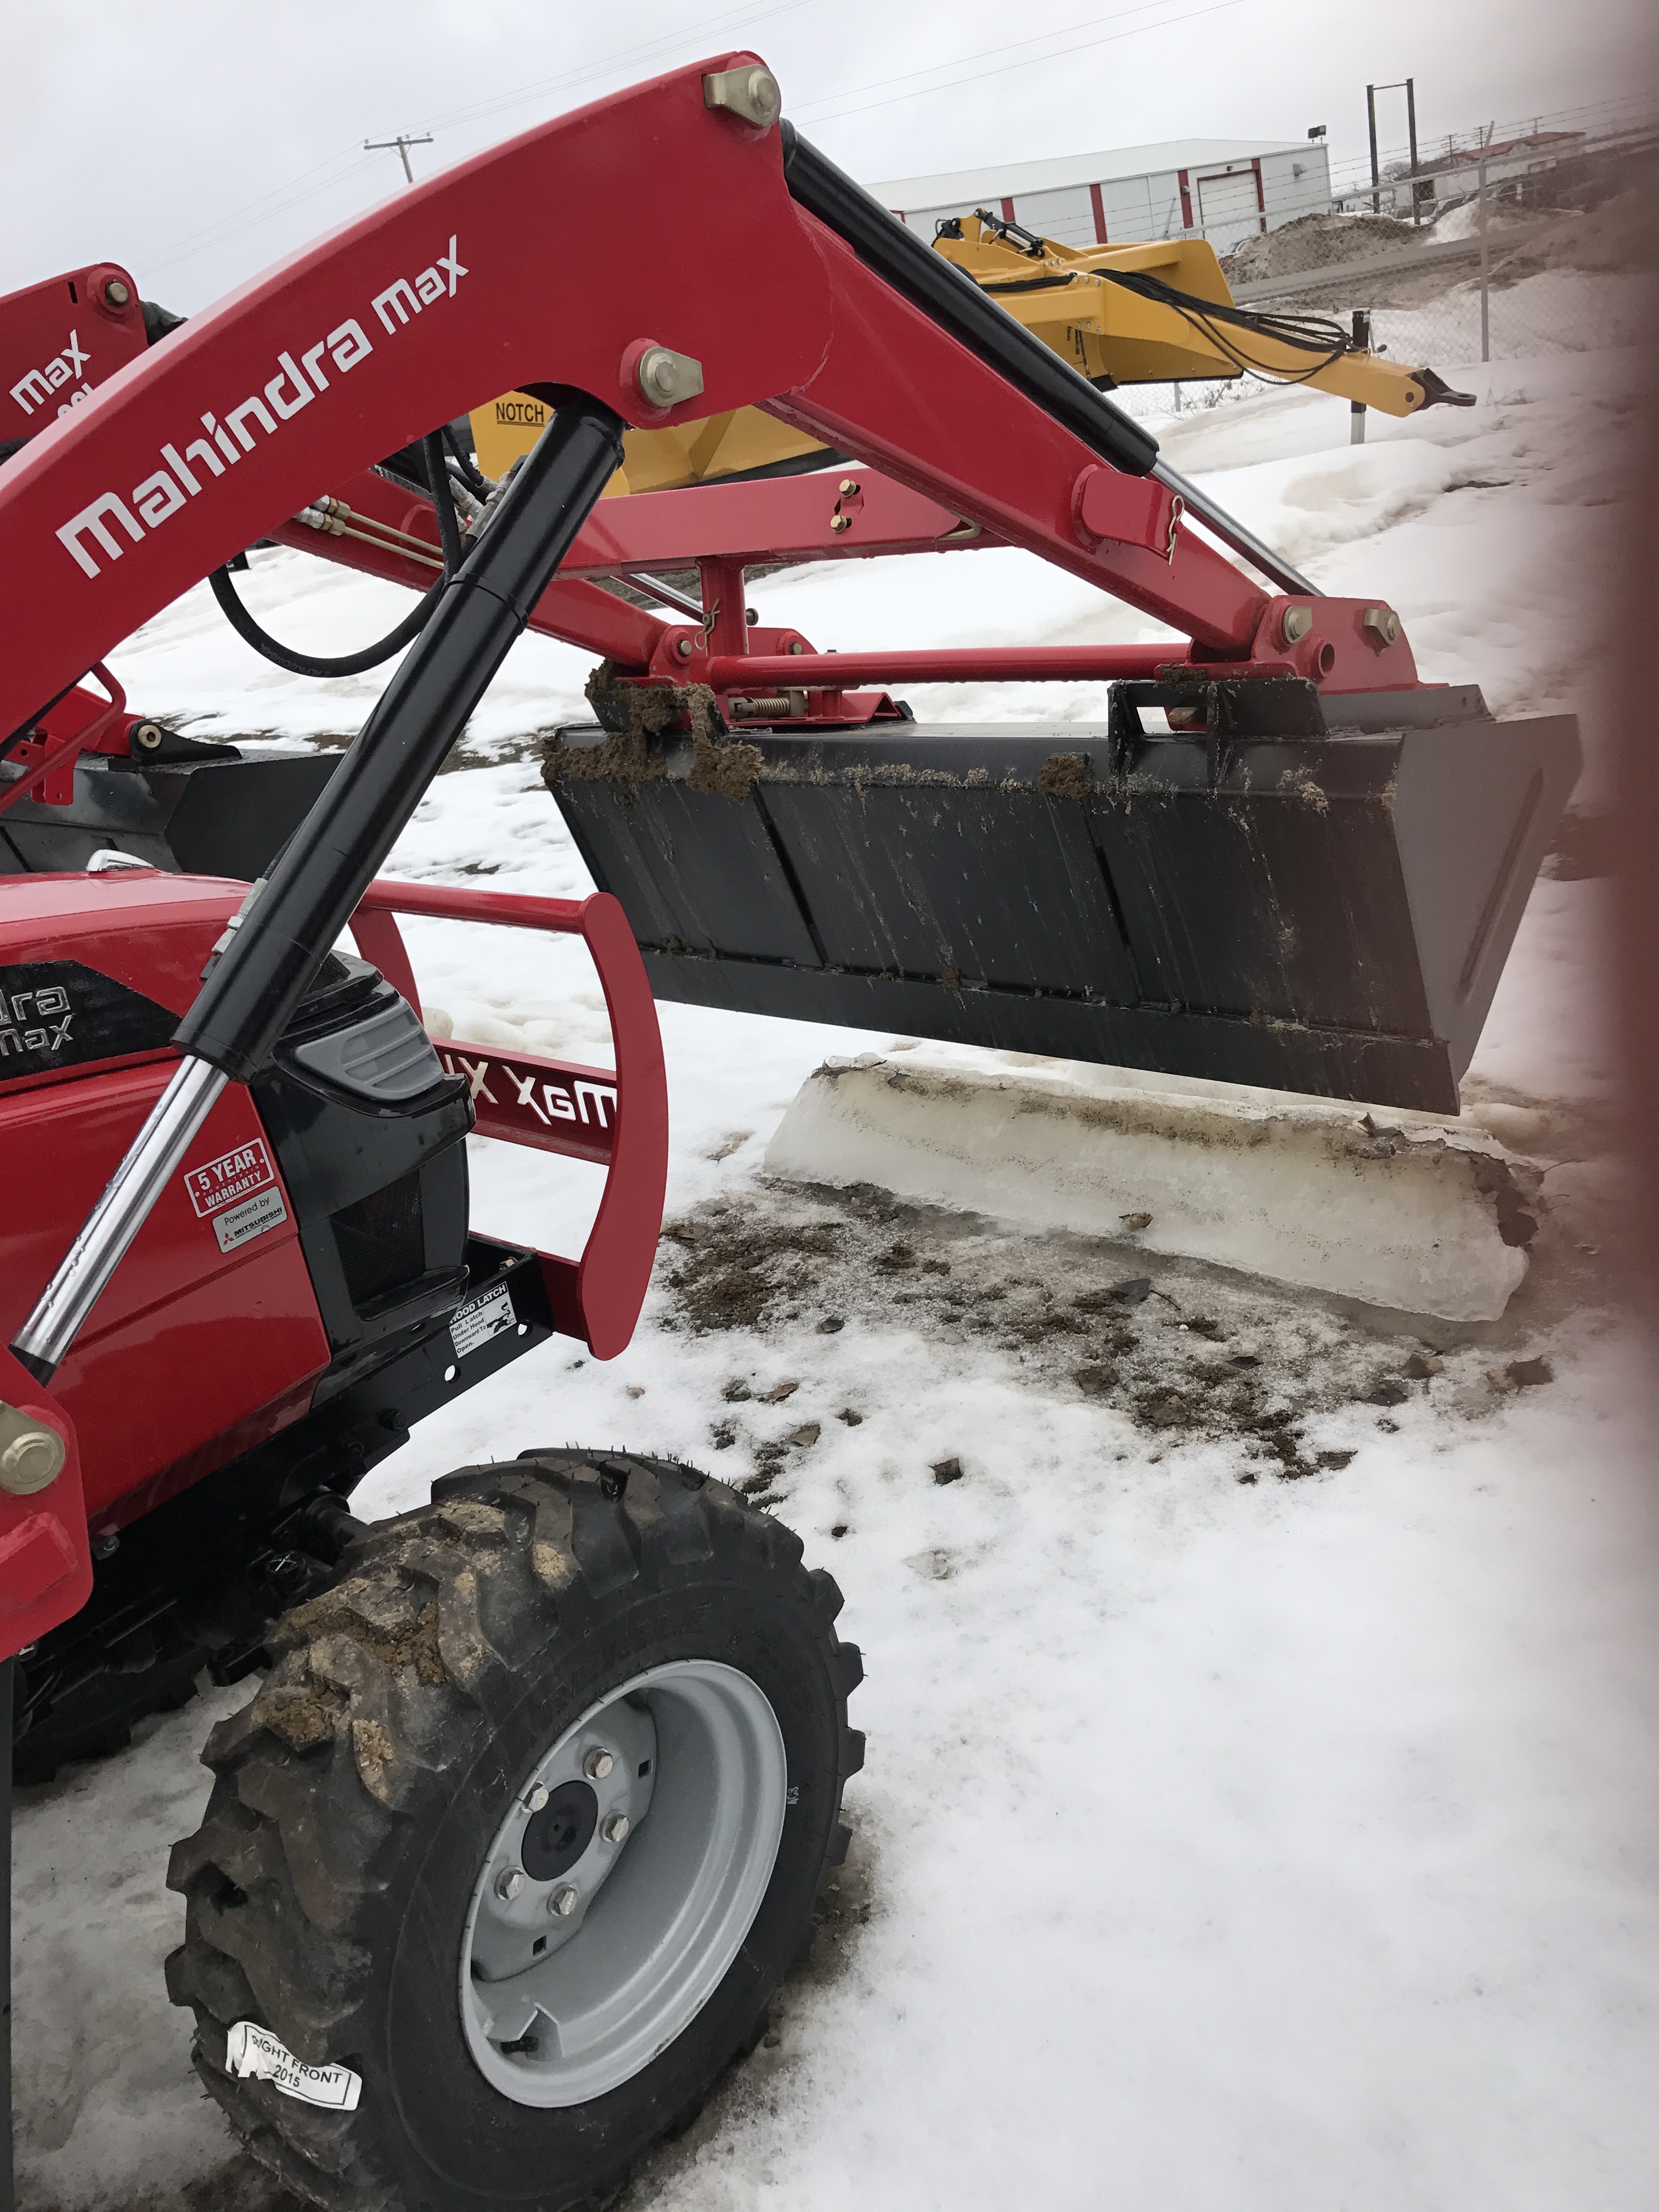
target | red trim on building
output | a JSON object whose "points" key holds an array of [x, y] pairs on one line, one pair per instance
{"points": [[1261, 193], [1007, 210], [1186, 199], [1098, 205]]}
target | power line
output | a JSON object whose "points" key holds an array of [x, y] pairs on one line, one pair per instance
{"points": [[988, 53], [1083, 47]]}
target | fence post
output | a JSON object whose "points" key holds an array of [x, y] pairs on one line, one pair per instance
{"points": [[1362, 344], [1485, 312]]}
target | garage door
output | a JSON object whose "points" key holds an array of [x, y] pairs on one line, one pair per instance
{"points": [[1227, 209]]}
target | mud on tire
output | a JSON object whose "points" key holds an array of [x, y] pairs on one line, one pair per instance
{"points": [[358, 1799]]}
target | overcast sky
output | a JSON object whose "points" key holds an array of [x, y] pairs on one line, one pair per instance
{"points": [[198, 141]]}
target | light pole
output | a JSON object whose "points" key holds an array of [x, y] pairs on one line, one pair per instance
{"points": [[1408, 86]]}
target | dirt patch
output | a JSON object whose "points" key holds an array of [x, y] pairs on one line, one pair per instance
{"points": [[1181, 1350], [729, 770], [1066, 775], [631, 715], [727, 1277], [1318, 242]]}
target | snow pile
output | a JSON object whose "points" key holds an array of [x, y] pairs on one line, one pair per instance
{"points": [[1423, 1217]]}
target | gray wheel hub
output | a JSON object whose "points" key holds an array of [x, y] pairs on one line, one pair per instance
{"points": [[621, 1886]]}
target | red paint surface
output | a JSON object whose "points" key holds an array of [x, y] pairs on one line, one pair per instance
{"points": [[598, 1296]]}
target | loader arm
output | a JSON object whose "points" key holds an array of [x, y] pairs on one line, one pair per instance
{"points": [[303, 378]]}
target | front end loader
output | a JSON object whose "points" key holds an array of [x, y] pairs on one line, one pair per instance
{"points": [[524, 1822]]}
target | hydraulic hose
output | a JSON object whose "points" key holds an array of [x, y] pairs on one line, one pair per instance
{"points": [[371, 656], [313, 888]]}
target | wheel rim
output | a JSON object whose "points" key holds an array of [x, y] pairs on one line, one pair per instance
{"points": [[590, 1947]]}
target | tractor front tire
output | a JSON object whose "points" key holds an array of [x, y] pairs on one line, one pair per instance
{"points": [[523, 1829]]}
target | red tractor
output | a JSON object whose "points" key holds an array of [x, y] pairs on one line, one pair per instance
{"points": [[524, 1820]]}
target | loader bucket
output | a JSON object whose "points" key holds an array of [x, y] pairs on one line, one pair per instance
{"points": [[207, 815], [1307, 894]]}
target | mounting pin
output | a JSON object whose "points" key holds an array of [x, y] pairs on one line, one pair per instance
{"points": [[667, 379], [1295, 623], [1384, 624], [751, 93]]}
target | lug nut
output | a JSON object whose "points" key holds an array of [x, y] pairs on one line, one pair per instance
{"points": [[564, 1903], [616, 1828], [536, 1797], [598, 1764], [510, 1883], [1297, 623]]}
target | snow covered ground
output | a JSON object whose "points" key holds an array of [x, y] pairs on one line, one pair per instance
{"points": [[1226, 1844]]}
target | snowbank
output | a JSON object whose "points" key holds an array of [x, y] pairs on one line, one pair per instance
{"points": [[1422, 1218]]}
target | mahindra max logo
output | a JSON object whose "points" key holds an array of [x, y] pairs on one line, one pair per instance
{"points": [[294, 386], [35, 389]]}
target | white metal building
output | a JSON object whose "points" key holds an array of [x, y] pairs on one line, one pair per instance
{"points": [[1222, 189]]}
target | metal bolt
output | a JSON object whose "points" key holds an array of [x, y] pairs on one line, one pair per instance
{"points": [[116, 293], [751, 615], [841, 522], [666, 377], [510, 1883], [1296, 622], [564, 1903], [849, 486], [616, 1828], [598, 1764], [751, 93], [795, 646], [1384, 624], [31, 1461], [536, 1797], [683, 647]]}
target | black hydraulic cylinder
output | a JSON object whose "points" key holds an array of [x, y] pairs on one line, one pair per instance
{"points": [[314, 887], [952, 300]]}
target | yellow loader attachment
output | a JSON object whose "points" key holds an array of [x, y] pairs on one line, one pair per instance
{"points": [[1122, 314]]}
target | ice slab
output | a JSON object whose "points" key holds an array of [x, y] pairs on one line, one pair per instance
{"points": [[1401, 1211]]}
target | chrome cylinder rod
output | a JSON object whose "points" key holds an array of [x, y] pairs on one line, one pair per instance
{"points": [[151, 1159], [1231, 533]]}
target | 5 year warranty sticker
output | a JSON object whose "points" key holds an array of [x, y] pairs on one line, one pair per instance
{"points": [[238, 1192]]}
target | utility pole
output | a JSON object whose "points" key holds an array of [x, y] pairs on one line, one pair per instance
{"points": [[1376, 176], [402, 143]]}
